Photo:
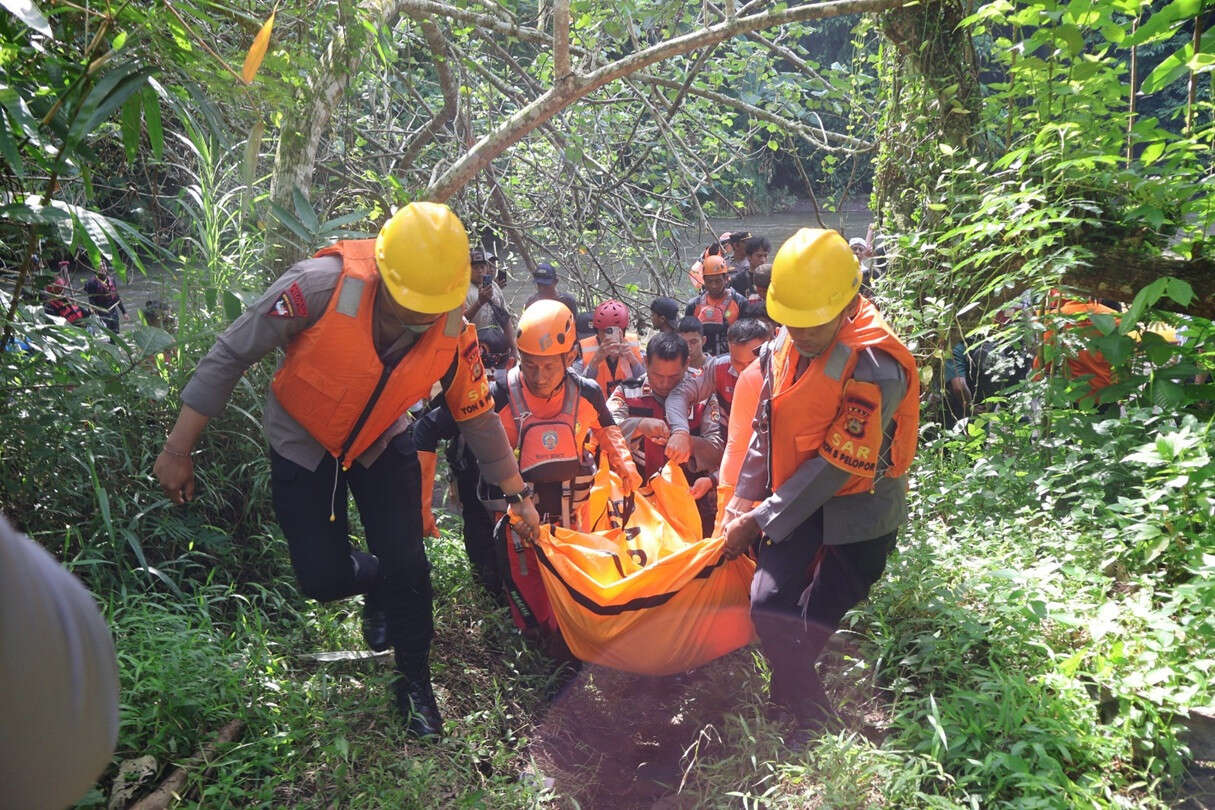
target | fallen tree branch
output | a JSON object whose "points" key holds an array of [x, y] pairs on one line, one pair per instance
{"points": [[1119, 274], [171, 788]]}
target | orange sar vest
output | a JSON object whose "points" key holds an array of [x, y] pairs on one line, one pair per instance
{"points": [[549, 449], [723, 311], [607, 378], [334, 384], [1085, 364], [826, 412]]}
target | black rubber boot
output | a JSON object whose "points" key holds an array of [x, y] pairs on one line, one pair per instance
{"points": [[415, 697], [811, 707], [375, 624]]}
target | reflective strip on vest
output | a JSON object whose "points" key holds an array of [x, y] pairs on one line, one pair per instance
{"points": [[801, 410], [547, 448]]}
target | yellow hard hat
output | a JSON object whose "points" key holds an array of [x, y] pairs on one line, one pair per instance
{"points": [[546, 328], [422, 254], [814, 276]]}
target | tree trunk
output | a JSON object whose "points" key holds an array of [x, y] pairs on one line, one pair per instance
{"points": [[928, 34], [305, 123], [1119, 274]]}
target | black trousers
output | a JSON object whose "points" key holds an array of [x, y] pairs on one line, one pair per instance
{"points": [[388, 495], [828, 580], [478, 529]]}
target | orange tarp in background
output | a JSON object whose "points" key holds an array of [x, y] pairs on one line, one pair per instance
{"points": [[643, 594]]}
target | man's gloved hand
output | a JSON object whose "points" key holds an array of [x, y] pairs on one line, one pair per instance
{"points": [[679, 447]]}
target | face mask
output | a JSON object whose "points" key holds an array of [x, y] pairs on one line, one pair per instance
{"points": [[417, 328]]}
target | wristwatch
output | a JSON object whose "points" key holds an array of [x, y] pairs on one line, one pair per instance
{"points": [[520, 496]]}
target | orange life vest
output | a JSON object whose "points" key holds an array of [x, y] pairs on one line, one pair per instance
{"points": [[720, 312], [807, 417], [641, 402], [605, 376], [1092, 365], [548, 449], [724, 380], [334, 384]]}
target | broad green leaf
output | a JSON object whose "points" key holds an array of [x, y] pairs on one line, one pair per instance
{"points": [[28, 13], [1071, 35], [344, 220], [1152, 153], [151, 117], [107, 95], [305, 211], [1179, 290], [293, 224], [257, 51], [8, 149], [131, 120], [253, 148], [1201, 62], [233, 306]]}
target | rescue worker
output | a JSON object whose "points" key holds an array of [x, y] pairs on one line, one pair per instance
{"points": [[1069, 318], [104, 298], [639, 407], [368, 327], [664, 314], [718, 306], [60, 304], [717, 380], [545, 277], [477, 524], [823, 483], [696, 271], [548, 413], [613, 355], [693, 333]]}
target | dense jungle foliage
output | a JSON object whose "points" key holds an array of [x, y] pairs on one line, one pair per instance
{"points": [[1042, 638]]}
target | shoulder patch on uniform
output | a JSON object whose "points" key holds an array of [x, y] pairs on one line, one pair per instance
{"points": [[290, 304], [837, 361], [349, 296], [855, 437]]}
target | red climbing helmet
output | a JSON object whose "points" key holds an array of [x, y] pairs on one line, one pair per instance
{"points": [[611, 313]]}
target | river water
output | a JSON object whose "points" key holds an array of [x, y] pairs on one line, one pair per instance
{"points": [[777, 226]]}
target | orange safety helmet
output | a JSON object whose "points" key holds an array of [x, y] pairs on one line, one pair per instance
{"points": [[714, 266], [611, 313], [546, 328]]}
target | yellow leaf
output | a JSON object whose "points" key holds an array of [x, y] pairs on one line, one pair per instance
{"points": [[257, 51]]}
